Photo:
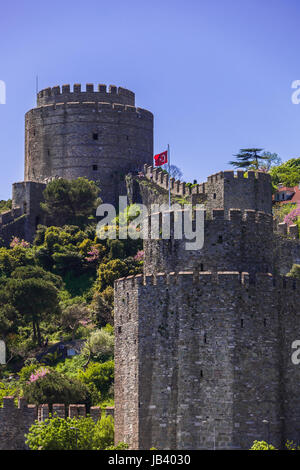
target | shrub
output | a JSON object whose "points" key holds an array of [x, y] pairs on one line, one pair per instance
{"points": [[54, 387], [295, 271], [100, 345], [262, 445], [71, 434], [99, 374]]}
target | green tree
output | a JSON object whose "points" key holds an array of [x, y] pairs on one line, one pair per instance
{"points": [[101, 375], [8, 320], [55, 387], [71, 434], [102, 309], [115, 269], [272, 160], [5, 205], [295, 271], [100, 345], [7, 390], [71, 202], [32, 293], [12, 258], [249, 159], [73, 316], [287, 173], [36, 272], [262, 445]]}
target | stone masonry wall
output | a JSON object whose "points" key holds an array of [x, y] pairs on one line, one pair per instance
{"points": [[26, 214], [65, 94], [16, 421], [98, 135], [214, 359], [240, 241], [14, 228], [224, 190]]}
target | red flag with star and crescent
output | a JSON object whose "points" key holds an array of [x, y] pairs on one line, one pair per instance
{"points": [[161, 158]]}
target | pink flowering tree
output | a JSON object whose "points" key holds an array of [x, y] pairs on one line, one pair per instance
{"points": [[38, 374], [17, 242], [93, 255], [139, 256], [292, 217]]}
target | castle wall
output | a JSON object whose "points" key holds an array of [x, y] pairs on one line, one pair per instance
{"points": [[28, 195], [65, 95], [286, 253], [253, 192], [16, 421], [240, 242], [97, 135], [224, 190], [257, 362], [26, 213], [214, 360], [126, 355], [15, 228], [289, 302]]}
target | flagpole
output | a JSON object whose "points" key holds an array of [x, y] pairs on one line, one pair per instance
{"points": [[169, 176]]}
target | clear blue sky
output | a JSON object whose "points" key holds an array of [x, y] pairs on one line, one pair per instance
{"points": [[216, 74]]}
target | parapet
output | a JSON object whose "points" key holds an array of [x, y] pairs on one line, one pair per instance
{"points": [[95, 104], [179, 188], [42, 412], [241, 175], [195, 277], [15, 421], [171, 223], [263, 280], [64, 94], [10, 216], [288, 230]]}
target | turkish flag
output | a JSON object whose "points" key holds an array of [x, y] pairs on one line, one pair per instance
{"points": [[161, 158]]}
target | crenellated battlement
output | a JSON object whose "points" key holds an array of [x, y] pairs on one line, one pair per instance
{"points": [[252, 189], [291, 231], [178, 188], [171, 224], [183, 240], [263, 280], [192, 343], [42, 412], [82, 107], [10, 216], [96, 132], [112, 94], [15, 421], [247, 215]]}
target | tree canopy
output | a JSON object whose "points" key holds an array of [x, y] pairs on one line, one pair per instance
{"points": [[71, 202], [249, 158], [287, 173]]}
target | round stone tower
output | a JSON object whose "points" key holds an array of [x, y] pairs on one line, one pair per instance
{"points": [[99, 135]]}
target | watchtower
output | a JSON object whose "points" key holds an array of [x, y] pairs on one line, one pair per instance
{"points": [[204, 338], [97, 134]]}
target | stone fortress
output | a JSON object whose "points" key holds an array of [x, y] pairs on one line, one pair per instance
{"points": [[15, 421], [204, 337], [98, 134]]}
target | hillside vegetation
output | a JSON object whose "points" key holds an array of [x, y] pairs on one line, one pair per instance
{"points": [[59, 292]]}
